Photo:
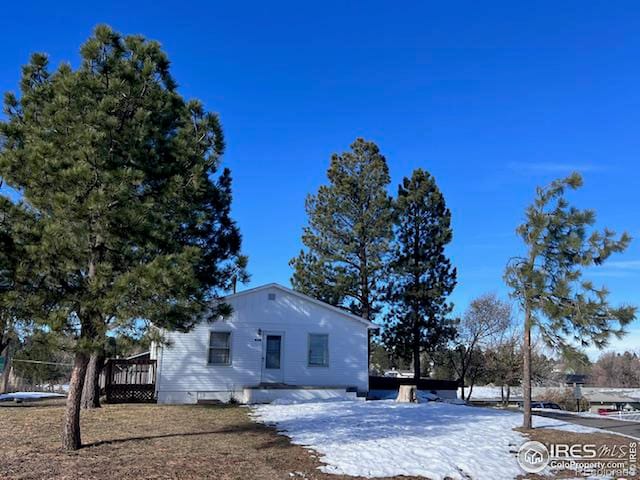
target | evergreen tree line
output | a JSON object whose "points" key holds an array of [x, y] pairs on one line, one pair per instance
{"points": [[381, 257], [385, 259]]}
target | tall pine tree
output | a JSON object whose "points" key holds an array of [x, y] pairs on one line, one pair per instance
{"points": [[547, 282], [9, 260], [120, 173], [421, 275], [350, 227], [14, 312]]}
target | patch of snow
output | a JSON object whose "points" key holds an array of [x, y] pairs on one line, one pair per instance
{"points": [[297, 401], [622, 416], [28, 395], [492, 392], [552, 423], [489, 392], [454, 401], [382, 438], [427, 396], [54, 387]]}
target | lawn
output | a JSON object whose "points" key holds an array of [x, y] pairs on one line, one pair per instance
{"points": [[148, 441], [189, 442]]}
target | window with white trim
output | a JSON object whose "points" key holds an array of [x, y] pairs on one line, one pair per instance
{"points": [[219, 348], [318, 350]]}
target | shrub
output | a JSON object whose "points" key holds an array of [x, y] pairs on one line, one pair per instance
{"points": [[565, 399]]}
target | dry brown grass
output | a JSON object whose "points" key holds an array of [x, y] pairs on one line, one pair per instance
{"points": [[168, 442], [149, 441]]}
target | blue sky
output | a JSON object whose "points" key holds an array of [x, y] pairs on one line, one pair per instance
{"points": [[493, 98]]}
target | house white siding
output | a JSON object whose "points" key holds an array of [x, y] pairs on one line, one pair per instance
{"points": [[184, 375]]}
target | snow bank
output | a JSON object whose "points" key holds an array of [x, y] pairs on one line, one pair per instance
{"points": [[633, 416], [489, 392], [28, 395], [427, 396], [436, 440]]}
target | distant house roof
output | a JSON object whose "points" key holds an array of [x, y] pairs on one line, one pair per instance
{"points": [[607, 397], [367, 323]]}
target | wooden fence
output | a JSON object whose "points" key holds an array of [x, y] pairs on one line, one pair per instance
{"points": [[393, 383]]}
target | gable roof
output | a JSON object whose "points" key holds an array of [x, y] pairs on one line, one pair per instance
{"points": [[307, 298]]}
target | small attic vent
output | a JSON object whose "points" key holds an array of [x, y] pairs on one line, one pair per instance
{"points": [[272, 296]]}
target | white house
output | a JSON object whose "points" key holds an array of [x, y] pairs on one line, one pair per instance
{"points": [[277, 344]]}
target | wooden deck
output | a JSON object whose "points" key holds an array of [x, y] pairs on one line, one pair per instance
{"points": [[131, 380]]}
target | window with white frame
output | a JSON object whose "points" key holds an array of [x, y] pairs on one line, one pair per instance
{"points": [[219, 348], [318, 350]]}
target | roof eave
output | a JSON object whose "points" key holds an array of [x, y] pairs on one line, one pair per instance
{"points": [[370, 325]]}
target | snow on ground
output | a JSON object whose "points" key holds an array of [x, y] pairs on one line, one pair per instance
{"points": [[54, 387], [28, 395], [383, 438], [623, 416], [491, 392]]}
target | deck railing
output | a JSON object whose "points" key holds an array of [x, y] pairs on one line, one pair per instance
{"points": [[130, 380]]}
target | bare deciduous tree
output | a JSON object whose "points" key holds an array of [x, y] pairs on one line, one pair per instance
{"points": [[616, 370], [485, 321]]}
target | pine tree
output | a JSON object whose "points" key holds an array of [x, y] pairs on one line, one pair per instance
{"points": [[421, 276], [119, 172], [350, 226], [14, 314], [91, 389], [547, 282], [9, 259]]}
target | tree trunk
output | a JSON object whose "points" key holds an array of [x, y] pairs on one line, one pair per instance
{"points": [[526, 371], [416, 352], [462, 371], [364, 282], [369, 353], [470, 392], [4, 381], [91, 389], [508, 395], [71, 425], [407, 394]]}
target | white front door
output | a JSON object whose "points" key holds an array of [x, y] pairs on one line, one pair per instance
{"points": [[272, 357]]}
